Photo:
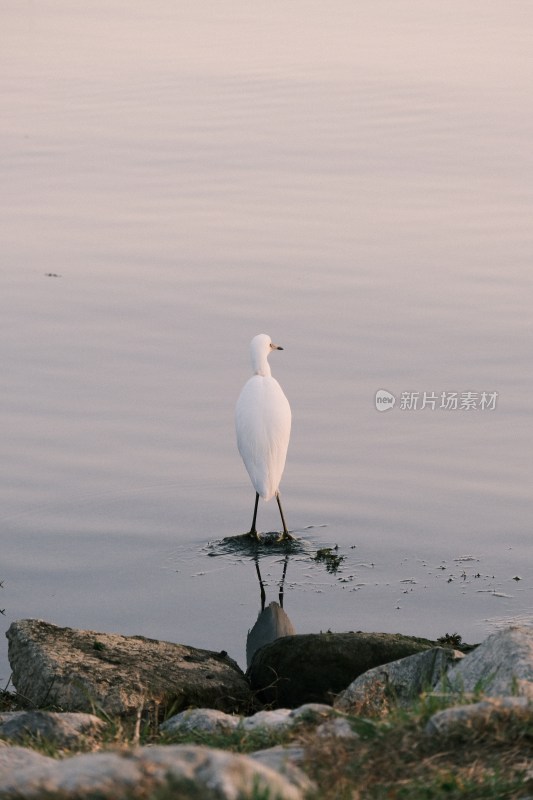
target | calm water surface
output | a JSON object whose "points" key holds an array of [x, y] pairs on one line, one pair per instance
{"points": [[357, 182]]}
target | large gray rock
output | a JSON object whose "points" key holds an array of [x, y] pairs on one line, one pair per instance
{"points": [[191, 772], [397, 683], [500, 665], [63, 730], [314, 667], [84, 670]]}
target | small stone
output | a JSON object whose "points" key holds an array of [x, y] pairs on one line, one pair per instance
{"points": [[276, 757], [208, 720], [286, 760], [61, 729], [336, 729], [19, 760], [278, 720], [205, 720], [313, 712], [477, 714]]}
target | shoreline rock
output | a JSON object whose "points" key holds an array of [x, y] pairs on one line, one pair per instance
{"points": [[77, 670], [315, 667], [59, 728], [398, 683], [192, 771], [501, 665], [504, 661]]}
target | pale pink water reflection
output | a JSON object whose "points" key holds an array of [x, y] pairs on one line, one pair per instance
{"points": [[357, 183]]}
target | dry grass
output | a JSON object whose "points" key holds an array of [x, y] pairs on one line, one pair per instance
{"points": [[393, 758], [399, 760]]}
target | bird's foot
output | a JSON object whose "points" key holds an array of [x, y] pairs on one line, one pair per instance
{"points": [[253, 535], [286, 537]]}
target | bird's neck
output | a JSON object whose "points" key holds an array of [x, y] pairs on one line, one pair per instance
{"points": [[261, 367]]}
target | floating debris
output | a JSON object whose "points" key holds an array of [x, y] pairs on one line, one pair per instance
{"points": [[325, 555]]}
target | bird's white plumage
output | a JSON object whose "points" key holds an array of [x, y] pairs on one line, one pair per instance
{"points": [[263, 422]]}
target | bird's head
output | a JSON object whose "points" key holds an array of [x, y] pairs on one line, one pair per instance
{"points": [[260, 348]]}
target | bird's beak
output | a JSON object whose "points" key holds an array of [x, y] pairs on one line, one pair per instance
{"points": [[277, 347]]}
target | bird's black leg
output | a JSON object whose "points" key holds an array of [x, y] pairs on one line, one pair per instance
{"points": [[282, 583], [285, 534], [261, 584], [253, 529]]}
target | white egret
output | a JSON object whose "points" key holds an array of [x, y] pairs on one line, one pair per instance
{"points": [[263, 425]]}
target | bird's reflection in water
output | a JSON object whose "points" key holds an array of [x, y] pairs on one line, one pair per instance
{"points": [[272, 621]]}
